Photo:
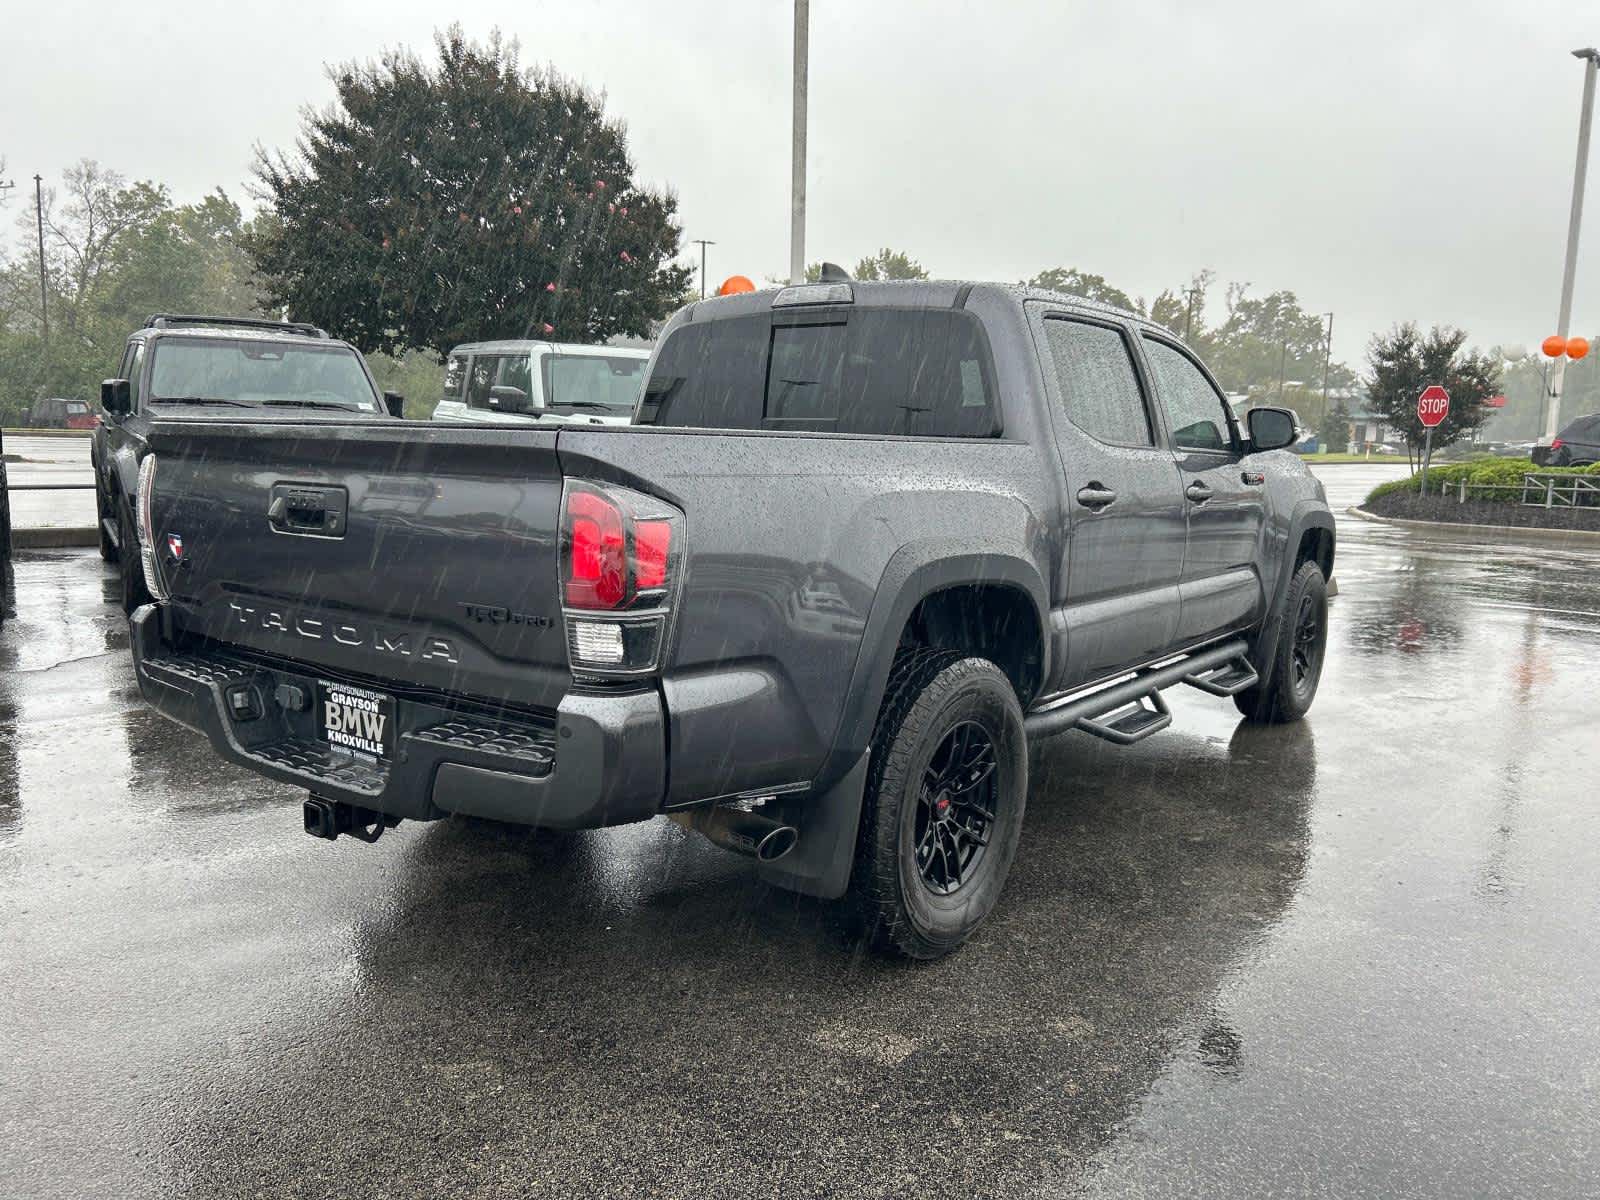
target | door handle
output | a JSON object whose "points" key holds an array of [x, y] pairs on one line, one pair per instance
{"points": [[1096, 496], [1197, 492]]}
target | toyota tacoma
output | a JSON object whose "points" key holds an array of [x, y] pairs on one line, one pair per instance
{"points": [[861, 543]]}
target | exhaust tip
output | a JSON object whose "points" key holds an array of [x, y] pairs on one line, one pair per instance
{"points": [[777, 843]]}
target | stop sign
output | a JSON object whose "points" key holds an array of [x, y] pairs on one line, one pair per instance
{"points": [[1433, 405]]}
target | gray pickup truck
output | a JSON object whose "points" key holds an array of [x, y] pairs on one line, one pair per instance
{"points": [[862, 543]]}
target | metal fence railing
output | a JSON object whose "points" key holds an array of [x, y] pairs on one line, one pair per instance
{"points": [[7, 487], [1538, 489]]}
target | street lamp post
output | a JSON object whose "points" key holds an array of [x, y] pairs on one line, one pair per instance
{"points": [[1327, 353], [44, 315], [1591, 61], [797, 165]]}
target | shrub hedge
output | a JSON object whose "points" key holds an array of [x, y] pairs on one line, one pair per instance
{"points": [[1497, 478]]}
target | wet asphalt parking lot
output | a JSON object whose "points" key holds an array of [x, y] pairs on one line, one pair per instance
{"points": [[1356, 956]]}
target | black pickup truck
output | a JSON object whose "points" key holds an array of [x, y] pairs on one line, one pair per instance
{"points": [[862, 542], [180, 362]]}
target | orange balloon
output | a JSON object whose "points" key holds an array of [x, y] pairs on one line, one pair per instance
{"points": [[1554, 346], [1577, 347], [734, 284]]}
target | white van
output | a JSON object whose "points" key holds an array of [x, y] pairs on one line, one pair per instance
{"points": [[514, 382]]}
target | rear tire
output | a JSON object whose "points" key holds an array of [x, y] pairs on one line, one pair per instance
{"points": [[131, 569], [944, 802], [1290, 684]]}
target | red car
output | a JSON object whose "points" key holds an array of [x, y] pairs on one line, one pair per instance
{"points": [[59, 413]]}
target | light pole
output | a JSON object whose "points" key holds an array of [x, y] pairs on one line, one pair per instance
{"points": [[797, 165], [1327, 353], [1283, 358], [44, 315], [1591, 61], [703, 243]]}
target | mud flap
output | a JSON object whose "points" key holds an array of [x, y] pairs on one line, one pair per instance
{"points": [[828, 822]]}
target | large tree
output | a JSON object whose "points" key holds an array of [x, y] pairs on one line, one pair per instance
{"points": [[1404, 361], [1072, 282], [465, 199], [890, 264], [114, 252]]}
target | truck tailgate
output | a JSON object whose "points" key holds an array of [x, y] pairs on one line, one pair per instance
{"points": [[421, 555]]}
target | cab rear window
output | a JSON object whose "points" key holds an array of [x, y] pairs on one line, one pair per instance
{"points": [[883, 371]]}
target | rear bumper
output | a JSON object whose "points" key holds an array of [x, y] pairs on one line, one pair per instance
{"points": [[601, 760]]}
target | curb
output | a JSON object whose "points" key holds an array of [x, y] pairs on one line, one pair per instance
{"points": [[48, 433], [1505, 532], [54, 539]]}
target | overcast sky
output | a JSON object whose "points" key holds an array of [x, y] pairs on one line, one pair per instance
{"points": [[1386, 161]]}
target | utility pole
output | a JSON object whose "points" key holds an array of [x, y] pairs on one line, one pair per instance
{"points": [[1591, 61], [1283, 356], [1327, 353], [1188, 317], [44, 315], [797, 166], [703, 243]]}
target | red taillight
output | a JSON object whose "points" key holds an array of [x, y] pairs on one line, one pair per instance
{"points": [[598, 575], [1556, 444], [620, 562], [652, 543]]}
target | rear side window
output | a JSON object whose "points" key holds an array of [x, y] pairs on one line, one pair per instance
{"points": [[922, 372], [1097, 381]]}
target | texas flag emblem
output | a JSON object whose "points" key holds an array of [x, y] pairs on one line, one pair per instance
{"points": [[175, 545]]}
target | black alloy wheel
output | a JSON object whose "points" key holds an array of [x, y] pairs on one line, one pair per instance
{"points": [[957, 809]]}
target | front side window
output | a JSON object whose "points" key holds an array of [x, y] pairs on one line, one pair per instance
{"points": [[497, 370], [455, 372], [135, 374], [882, 371], [1098, 384], [598, 383], [251, 372], [1196, 411]]}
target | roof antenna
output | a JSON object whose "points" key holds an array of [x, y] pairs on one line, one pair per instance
{"points": [[833, 273]]}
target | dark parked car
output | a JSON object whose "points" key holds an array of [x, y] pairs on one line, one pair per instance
{"points": [[1577, 445], [60, 413], [210, 367], [864, 541]]}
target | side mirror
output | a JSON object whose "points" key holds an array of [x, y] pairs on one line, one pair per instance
{"points": [[395, 403], [116, 397], [1271, 428], [509, 399]]}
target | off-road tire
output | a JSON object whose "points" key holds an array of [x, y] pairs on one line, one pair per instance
{"points": [[129, 566], [1285, 693], [930, 694]]}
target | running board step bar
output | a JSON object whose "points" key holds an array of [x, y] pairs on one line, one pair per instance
{"points": [[1132, 723], [1125, 702], [1229, 679]]}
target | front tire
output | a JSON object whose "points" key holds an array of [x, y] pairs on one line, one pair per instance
{"points": [[130, 568], [1290, 684], [944, 803], [108, 548]]}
